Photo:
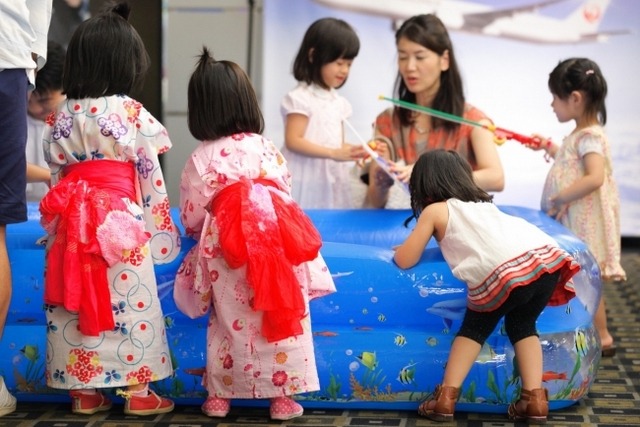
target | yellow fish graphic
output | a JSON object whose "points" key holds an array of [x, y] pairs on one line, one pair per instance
{"points": [[368, 359], [582, 346], [400, 340], [407, 375]]}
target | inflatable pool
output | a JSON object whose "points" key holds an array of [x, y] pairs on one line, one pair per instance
{"points": [[381, 341]]}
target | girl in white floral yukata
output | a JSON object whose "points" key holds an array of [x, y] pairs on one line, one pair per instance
{"points": [[580, 190], [108, 221], [256, 262]]}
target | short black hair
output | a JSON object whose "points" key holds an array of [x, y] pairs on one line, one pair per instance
{"points": [[326, 40], [49, 78], [221, 100], [106, 56], [439, 175]]}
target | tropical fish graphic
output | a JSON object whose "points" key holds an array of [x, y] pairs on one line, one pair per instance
{"points": [[338, 275], [382, 317], [449, 310], [407, 374], [195, 371], [400, 340], [582, 346], [325, 334], [432, 341], [553, 375], [368, 359], [487, 354]]}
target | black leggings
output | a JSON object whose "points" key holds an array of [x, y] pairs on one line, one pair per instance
{"points": [[520, 312]]}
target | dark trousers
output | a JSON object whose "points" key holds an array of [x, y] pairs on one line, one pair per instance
{"points": [[520, 312], [13, 141]]}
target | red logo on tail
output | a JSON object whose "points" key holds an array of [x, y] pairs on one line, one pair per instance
{"points": [[591, 13]]}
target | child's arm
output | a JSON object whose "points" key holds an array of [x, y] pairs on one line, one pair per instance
{"points": [[37, 173], [430, 223], [295, 128], [550, 149], [592, 180]]}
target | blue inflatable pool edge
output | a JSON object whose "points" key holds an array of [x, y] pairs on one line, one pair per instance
{"points": [[381, 341]]}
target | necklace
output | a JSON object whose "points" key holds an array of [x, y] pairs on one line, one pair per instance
{"points": [[421, 128]]}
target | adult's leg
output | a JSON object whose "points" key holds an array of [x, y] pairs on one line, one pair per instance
{"points": [[13, 170], [5, 279]]}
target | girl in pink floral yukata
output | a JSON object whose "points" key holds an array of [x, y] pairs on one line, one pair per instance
{"points": [[256, 263], [108, 221]]}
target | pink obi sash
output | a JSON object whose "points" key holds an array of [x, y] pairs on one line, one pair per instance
{"points": [[92, 219], [270, 234]]}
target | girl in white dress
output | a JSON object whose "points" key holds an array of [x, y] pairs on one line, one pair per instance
{"points": [[319, 159]]}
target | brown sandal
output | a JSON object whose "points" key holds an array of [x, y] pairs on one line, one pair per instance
{"points": [[533, 406], [441, 406]]}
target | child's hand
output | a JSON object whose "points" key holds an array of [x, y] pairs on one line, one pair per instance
{"points": [[358, 152], [543, 143], [540, 142], [557, 210], [403, 172], [346, 153]]}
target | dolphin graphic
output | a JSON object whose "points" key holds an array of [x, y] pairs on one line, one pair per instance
{"points": [[449, 310]]}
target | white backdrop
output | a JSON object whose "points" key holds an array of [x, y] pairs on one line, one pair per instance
{"points": [[506, 79]]}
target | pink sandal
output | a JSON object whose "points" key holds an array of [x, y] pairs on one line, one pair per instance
{"points": [[284, 408], [216, 407]]}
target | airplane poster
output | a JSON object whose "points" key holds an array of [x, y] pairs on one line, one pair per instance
{"points": [[505, 50]]}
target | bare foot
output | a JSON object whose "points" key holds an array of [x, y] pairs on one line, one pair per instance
{"points": [[606, 341]]}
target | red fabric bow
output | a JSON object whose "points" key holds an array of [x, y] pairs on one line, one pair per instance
{"points": [[76, 274], [271, 235]]}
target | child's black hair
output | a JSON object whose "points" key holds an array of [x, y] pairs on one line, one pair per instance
{"points": [[49, 78], [221, 100], [439, 175], [326, 40], [583, 75], [105, 56]]}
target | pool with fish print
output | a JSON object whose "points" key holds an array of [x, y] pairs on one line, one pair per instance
{"points": [[381, 341]]}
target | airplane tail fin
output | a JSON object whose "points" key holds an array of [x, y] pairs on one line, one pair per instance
{"points": [[588, 16]]}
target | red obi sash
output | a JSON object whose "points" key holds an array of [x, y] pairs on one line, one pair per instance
{"points": [[86, 213], [271, 235]]}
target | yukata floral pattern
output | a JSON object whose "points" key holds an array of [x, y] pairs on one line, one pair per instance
{"points": [[136, 350], [595, 218], [241, 363]]}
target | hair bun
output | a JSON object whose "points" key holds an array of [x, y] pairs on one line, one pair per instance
{"points": [[122, 8]]}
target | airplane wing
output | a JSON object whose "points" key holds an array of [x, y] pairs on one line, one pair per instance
{"points": [[602, 35], [477, 21]]}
